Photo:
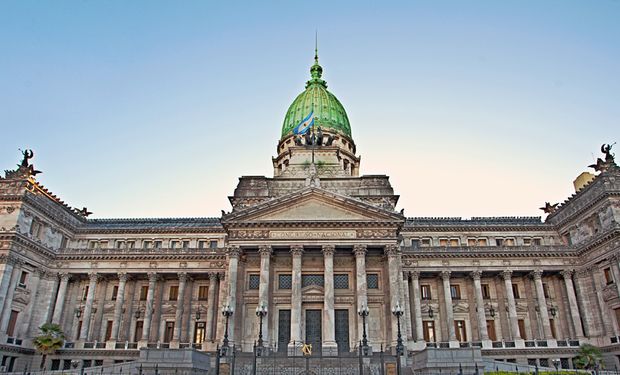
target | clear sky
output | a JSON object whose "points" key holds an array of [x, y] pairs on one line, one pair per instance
{"points": [[155, 108]]}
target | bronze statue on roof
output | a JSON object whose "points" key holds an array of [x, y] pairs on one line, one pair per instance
{"points": [[610, 161]]}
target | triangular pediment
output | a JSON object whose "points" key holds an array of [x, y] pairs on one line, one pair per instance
{"points": [[313, 204]]}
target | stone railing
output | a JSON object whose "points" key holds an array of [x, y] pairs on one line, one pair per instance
{"points": [[555, 249], [140, 251]]}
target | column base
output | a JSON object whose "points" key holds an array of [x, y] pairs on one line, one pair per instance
{"points": [[294, 348], [110, 344], [174, 344], [329, 349], [487, 344], [417, 345], [143, 344], [454, 344], [519, 343]]}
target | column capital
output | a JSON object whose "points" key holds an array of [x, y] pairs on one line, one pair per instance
{"points": [[584, 272], [328, 250], [506, 274], [567, 274], [212, 276], [93, 277], [233, 251], [475, 274], [297, 250], [445, 275], [182, 277], [153, 276], [360, 250], [415, 275], [221, 276], [615, 257], [265, 250], [123, 276], [64, 276], [392, 250], [536, 274]]}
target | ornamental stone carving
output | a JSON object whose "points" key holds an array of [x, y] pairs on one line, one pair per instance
{"points": [[93, 277], [297, 250], [233, 251], [415, 274], [566, 274], [182, 277], [122, 276], [153, 276], [476, 274], [64, 276], [392, 250], [265, 250], [506, 274], [445, 275], [254, 234], [536, 274], [328, 250], [359, 250]]}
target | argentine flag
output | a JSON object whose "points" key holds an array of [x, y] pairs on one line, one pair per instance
{"points": [[305, 124]]}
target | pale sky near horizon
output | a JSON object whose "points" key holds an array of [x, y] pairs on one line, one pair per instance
{"points": [[155, 108]]}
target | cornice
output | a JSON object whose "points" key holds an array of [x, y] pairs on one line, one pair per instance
{"points": [[490, 252], [79, 353], [16, 349], [148, 254]]}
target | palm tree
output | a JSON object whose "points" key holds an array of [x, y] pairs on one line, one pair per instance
{"points": [[589, 357], [51, 339]]}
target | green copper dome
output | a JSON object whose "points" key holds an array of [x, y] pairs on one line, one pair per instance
{"points": [[328, 111]]}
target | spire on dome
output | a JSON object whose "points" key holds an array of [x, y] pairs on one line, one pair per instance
{"points": [[316, 71]]}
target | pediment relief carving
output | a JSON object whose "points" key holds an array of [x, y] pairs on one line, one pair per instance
{"points": [[312, 209], [313, 290]]}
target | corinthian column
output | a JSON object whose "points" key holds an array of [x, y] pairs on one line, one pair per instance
{"points": [[118, 307], [417, 308], [233, 253], [572, 302], [447, 298], [542, 303], [482, 319], [60, 299], [512, 306], [88, 307], [360, 277], [178, 317], [148, 314], [211, 306], [329, 346], [265, 252], [392, 251], [296, 252]]}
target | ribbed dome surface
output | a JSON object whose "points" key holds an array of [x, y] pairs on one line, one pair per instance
{"points": [[328, 111]]}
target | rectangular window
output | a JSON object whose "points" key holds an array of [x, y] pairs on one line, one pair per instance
{"points": [[312, 279], [173, 293], [157, 244], [527, 242], [98, 362], [186, 244], [169, 331], [173, 244], [79, 330], [103, 245], [443, 242], [372, 280], [454, 242], [22, 279], [114, 292], [144, 290], [426, 242], [515, 290], [491, 330], [425, 291], [285, 281], [254, 282], [486, 291], [201, 244], [10, 330], [536, 241], [461, 332], [120, 244], [146, 244], [137, 334], [85, 294], [482, 242], [213, 244], [203, 293], [108, 330], [499, 241], [131, 244], [608, 278], [341, 281], [199, 332], [415, 244], [521, 324], [471, 242], [455, 291], [429, 331], [552, 326]]}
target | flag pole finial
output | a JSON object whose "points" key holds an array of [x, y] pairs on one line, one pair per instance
{"points": [[316, 46]]}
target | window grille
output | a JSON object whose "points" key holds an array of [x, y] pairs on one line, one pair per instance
{"points": [[372, 281], [307, 280], [341, 281], [254, 281], [285, 281]]}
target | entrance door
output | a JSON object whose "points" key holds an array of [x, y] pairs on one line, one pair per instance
{"points": [[314, 329], [284, 330], [199, 332], [342, 330], [491, 330], [169, 331]]}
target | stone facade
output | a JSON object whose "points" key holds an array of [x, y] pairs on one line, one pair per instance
{"points": [[314, 244]]}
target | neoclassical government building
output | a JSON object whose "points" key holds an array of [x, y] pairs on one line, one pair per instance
{"points": [[312, 244]]}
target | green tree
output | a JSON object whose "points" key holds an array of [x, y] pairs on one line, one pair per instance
{"points": [[51, 339], [588, 357]]}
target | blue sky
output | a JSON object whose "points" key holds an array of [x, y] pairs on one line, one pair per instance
{"points": [[155, 108]]}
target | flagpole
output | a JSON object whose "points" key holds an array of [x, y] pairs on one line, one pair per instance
{"points": [[313, 136]]}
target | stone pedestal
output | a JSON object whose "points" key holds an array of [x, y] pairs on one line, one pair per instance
{"points": [[329, 349]]}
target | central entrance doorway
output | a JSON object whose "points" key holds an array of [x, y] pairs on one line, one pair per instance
{"points": [[342, 330], [314, 329]]}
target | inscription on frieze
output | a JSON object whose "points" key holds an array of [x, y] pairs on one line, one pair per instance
{"points": [[316, 234]]}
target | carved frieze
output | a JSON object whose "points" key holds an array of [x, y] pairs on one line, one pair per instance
{"points": [[311, 234], [376, 233], [249, 234]]}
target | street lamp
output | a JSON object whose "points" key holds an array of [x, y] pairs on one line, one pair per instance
{"points": [[261, 311], [553, 311], [363, 312], [398, 312], [198, 313], [492, 311], [227, 311]]}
